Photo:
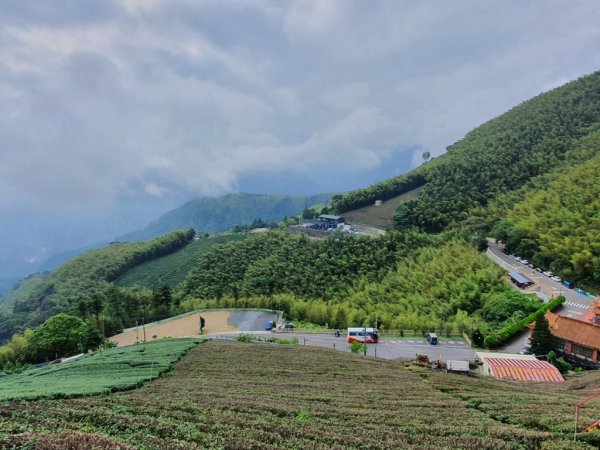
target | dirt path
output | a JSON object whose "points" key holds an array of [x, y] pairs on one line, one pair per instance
{"points": [[216, 322]]}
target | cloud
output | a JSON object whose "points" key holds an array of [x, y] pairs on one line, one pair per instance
{"points": [[106, 97]]}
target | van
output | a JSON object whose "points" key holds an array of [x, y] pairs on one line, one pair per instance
{"points": [[432, 338]]}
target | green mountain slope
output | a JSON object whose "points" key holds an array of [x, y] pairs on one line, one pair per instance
{"points": [[211, 215], [498, 157], [557, 223], [170, 270], [80, 280]]}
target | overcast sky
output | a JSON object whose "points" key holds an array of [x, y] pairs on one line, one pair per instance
{"points": [[106, 103]]}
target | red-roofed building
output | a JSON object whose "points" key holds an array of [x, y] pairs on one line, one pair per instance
{"points": [[575, 337], [504, 366]]}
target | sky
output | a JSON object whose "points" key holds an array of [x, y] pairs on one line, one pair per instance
{"points": [[114, 111]]}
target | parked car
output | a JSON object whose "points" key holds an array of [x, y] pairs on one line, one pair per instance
{"points": [[290, 325], [524, 261], [549, 274], [530, 265], [568, 284], [524, 351], [538, 269], [556, 278]]}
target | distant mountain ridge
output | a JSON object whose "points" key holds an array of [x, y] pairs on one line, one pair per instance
{"points": [[215, 214]]}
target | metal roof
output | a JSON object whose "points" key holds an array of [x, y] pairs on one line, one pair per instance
{"points": [[457, 366], [327, 216], [522, 368], [520, 278]]}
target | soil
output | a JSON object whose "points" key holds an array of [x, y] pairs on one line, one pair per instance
{"points": [[216, 322]]}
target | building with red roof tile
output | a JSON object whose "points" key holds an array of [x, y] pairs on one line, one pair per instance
{"points": [[574, 336], [503, 366]]}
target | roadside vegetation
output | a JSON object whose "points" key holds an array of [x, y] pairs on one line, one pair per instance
{"points": [[233, 395]]}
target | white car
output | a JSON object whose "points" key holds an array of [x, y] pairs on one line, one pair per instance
{"points": [[557, 279], [549, 274], [524, 261]]}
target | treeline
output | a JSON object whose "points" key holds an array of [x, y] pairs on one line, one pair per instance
{"points": [[383, 190], [505, 153], [82, 280], [431, 284], [278, 262], [498, 157], [558, 226]]}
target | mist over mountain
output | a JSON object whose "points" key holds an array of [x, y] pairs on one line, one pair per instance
{"points": [[214, 214]]}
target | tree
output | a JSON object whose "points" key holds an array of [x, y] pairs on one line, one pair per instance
{"points": [[59, 336], [541, 338], [426, 156]]}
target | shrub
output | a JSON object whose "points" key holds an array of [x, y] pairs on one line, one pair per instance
{"points": [[491, 341], [506, 333], [245, 338], [357, 346], [291, 341]]}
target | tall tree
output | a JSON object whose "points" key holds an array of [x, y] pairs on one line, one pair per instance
{"points": [[541, 338]]}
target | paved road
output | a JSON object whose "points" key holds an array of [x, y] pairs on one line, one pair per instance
{"points": [[576, 305], [250, 320], [387, 348]]}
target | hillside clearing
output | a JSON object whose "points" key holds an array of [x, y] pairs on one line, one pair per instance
{"points": [[225, 395], [381, 217], [170, 270]]}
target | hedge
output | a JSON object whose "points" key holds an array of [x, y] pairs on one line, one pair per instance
{"points": [[506, 333]]}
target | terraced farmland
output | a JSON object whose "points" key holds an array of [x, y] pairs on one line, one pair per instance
{"points": [[381, 217], [235, 395], [112, 370], [170, 270]]}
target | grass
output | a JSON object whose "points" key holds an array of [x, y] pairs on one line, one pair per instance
{"points": [[381, 217], [233, 395], [112, 370], [170, 270]]}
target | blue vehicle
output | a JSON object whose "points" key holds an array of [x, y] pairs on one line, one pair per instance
{"points": [[269, 324], [568, 284], [432, 338]]}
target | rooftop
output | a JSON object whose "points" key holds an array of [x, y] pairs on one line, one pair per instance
{"points": [[577, 331], [520, 278], [520, 368]]}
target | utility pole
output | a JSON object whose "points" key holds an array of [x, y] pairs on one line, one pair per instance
{"points": [[144, 328], [137, 334], [102, 322]]}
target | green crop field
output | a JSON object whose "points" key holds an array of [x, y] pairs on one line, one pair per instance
{"points": [[170, 270], [112, 370], [381, 217], [238, 395]]}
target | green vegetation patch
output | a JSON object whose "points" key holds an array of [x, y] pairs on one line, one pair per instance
{"points": [[170, 270], [106, 371]]}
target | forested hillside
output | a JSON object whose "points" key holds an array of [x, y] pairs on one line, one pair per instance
{"points": [[215, 214], [498, 157], [79, 282], [557, 224], [409, 281]]}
